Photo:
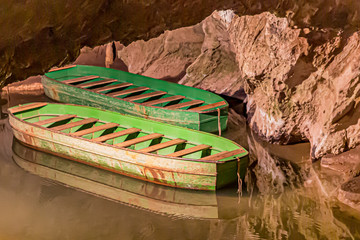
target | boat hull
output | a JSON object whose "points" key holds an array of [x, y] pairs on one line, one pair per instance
{"points": [[161, 170], [203, 121]]}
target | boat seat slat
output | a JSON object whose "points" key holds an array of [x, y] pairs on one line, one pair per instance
{"points": [[185, 104], [163, 100], [112, 87], [62, 68], [26, 107], [75, 124], [91, 84], [162, 145], [222, 155], [128, 91], [189, 150], [80, 79], [139, 140], [95, 129], [146, 95], [205, 107], [55, 119], [116, 134]]}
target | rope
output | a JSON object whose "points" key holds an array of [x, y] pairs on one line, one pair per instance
{"points": [[219, 124], [239, 191]]}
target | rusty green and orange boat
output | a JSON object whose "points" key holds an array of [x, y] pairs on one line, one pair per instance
{"points": [[137, 95], [132, 146]]}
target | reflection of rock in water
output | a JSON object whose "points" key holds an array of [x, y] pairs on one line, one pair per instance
{"points": [[271, 174]]}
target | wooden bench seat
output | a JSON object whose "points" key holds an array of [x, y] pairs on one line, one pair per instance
{"points": [[62, 68], [139, 140], [222, 155], [209, 106], [146, 95], [75, 124], [95, 129], [128, 91], [80, 79], [92, 84], [189, 150], [116, 134], [185, 104], [27, 107], [55, 119], [112, 87], [163, 100], [162, 145]]}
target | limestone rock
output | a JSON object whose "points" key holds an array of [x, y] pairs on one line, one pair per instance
{"points": [[164, 57]]}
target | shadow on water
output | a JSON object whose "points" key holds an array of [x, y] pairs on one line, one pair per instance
{"points": [[46, 197]]}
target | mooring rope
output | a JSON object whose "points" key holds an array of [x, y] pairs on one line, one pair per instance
{"points": [[219, 124], [239, 191]]}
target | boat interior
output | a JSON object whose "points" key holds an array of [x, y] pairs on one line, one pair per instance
{"points": [[134, 92], [115, 134]]}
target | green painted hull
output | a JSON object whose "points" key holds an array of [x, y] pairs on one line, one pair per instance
{"points": [[207, 121], [129, 191], [190, 172]]}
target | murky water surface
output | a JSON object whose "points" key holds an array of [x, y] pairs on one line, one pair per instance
{"points": [[286, 197]]}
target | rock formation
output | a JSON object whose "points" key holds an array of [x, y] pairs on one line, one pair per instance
{"points": [[300, 84]]}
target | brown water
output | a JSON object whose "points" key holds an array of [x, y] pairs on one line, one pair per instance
{"points": [[286, 197]]}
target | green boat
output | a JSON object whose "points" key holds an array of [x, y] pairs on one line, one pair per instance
{"points": [[137, 95], [129, 191], [132, 146]]}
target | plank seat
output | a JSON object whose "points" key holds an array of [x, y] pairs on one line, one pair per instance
{"points": [[189, 150], [74, 124], [146, 95], [206, 107], [139, 140], [222, 155], [55, 119], [95, 129], [80, 79], [112, 87], [163, 100], [185, 104], [27, 107], [62, 68], [92, 84], [116, 134], [162, 145], [128, 91]]}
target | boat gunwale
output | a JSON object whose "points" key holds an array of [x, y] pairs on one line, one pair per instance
{"points": [[132, 150], [90, 90]]}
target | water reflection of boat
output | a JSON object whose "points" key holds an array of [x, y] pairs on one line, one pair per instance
{"points": [[130, 191]]}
